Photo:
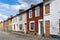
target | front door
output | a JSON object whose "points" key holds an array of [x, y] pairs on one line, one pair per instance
{"points": [[47, 28], [41, 28]]}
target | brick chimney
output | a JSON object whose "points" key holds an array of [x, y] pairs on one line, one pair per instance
{"points": [[11, 16], [21, 10], [32, 5], [45, 0]]}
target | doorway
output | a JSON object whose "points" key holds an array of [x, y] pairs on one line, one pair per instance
{"points": [[41, 28], [47, 28]]}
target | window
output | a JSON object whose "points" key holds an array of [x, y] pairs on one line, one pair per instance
{"points": [[20, 17], [15, 19], [59, 25], [30, 14], [14, 26], [59, 22], [17, 25], [32, 26], [20, 27], [37, 13], [25, 23], [47, 9]]}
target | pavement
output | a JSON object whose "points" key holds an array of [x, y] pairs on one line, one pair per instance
{"points": [[9, 36], [33, 37], [22, 36]]}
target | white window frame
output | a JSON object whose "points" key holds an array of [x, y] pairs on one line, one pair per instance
{"points": [[44, 8], [19, 27], [30, 13], [37, 8], [20, 17], [39, 31], [30, 25]]}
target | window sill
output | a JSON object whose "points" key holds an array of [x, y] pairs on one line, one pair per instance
{"points": [[46, 14], [31, 30], [29, 18], [36, 16]]}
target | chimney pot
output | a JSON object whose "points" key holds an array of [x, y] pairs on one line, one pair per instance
{"points": [[32, 5], [21, 10]]}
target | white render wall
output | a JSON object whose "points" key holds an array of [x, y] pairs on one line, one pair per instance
{"points": [[15, 21], [59, 5], [54, 16], [23, 21]]}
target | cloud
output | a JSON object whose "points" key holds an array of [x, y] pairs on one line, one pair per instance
{"points": [[27, 3], [2, 5], [1, 20], [17, 7], [30, 1], [3, 17], [7, 9]]}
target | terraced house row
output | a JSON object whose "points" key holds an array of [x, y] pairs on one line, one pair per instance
{"points": [[41, 19]]}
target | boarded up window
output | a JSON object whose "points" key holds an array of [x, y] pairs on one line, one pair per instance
{"points": [[47, 9], [47, 28]]}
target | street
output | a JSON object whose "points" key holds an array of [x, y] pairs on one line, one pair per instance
{"points": [[21, 36], [12, 36], [8, 36]]}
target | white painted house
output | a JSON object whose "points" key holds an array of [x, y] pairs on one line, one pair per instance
{"points": [[15, 26], [51, 17], [22, 22]]}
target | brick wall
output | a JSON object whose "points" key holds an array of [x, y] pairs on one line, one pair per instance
{"points": [[34, 18]]}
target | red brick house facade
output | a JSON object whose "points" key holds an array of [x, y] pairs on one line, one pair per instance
{"points": [[5, 25], [34, 18]]}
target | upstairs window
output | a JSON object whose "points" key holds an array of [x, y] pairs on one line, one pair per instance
{"points": [[30, 14], [47, 8], [20, 17], [15, 19], [37, 12]]}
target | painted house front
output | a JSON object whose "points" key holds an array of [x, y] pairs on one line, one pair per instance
{"points": [[34, 15], [22, 22], [5, 25], [51, 17], [15, 26], [1, 25], [10, 23], [42, 19]]}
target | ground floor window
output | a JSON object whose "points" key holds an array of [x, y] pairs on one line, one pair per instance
{"points": [[14, 26], [20, 27], [59, 23], [32, 26]]}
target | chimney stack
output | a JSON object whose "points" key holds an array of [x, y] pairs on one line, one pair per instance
{"points": [[45, 0], [32, 5], [21, 10]]}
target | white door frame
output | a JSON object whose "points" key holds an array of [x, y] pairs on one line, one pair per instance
{"points": [[39, 32]]}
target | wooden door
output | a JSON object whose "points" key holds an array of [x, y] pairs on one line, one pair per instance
{"points": [[47, 28]]}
